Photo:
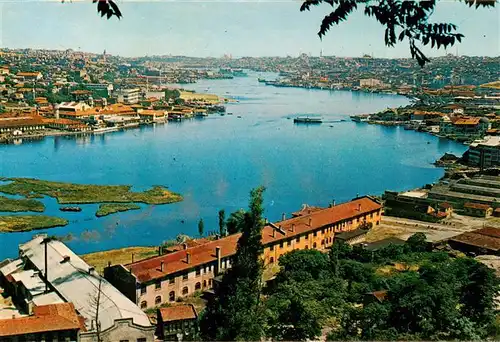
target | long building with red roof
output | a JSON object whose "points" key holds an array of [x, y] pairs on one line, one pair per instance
{"points": [[165, 278]]}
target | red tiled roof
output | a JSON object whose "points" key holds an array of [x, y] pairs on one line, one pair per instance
{"points": [[149, 269], [20, 122], [478, 240], [476, 206], [53, 317], [177, 313], [488, 231], [189, 243], [320, 218], [467, 121]]}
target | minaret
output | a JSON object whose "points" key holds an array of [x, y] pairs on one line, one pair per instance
{"points": [[104, 56]]}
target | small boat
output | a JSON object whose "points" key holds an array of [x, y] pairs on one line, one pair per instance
{"points": [[239, 116], [222, 114], [261, 80], [76, 209], [308, 120], [229, 113], [105, 129]]}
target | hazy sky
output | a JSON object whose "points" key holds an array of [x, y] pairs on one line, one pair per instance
{"points": [[214, 28]]}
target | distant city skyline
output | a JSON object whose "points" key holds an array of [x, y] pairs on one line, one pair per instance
{"points": [[215, 29]]}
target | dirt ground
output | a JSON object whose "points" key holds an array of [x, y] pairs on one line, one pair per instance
{"points": [[403, 228], [118, 256]]}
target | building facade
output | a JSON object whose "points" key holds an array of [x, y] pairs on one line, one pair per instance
{"points": [[485, 153], [165, 278]]}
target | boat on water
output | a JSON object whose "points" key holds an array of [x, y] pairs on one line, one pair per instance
{"points": [[239, 73], [261, 80], [307, 120], [76, 209], [105, 129]]}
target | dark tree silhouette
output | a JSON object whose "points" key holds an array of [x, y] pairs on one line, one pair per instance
{"points": [[402, 20], [107, 8]]}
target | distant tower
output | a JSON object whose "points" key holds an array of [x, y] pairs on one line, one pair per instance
{"points": [[104, 56], [321, 53]]}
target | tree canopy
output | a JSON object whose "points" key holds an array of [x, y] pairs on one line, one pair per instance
{"points": [[235, 312]]}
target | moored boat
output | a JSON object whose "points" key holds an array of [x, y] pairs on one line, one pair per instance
{"points": [[76, 209]]}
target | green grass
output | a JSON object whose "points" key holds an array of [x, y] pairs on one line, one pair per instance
{"points": [[29, 222], [111, 208], [15, 205], [68, 193]]}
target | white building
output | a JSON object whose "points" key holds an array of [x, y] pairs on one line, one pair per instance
{"points": [[78, 283], [129, 96]]}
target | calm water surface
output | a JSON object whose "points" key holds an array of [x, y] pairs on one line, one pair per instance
{"points": [[214, 162]]}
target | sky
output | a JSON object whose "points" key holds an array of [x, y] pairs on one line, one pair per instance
{"points": [[215, 28]]}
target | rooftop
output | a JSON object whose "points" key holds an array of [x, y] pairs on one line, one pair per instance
{"points": [[149, 269], [178, 312], [491, 141], [476, 206], [76, 283], [488, 238], [45, 318]]}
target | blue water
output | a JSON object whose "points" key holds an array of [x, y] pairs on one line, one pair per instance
{"points": [[214, 162]]}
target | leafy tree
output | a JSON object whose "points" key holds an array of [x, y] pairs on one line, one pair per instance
{"points": [[235, 312], [417, 242], [235, 222], [478, 294], [408, 20], [222, 222], [201, 227], [303, 264]]}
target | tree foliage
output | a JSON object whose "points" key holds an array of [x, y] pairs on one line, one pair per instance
{"points": [[403, 20], [235, 313], [235, 222], [222, 222]]}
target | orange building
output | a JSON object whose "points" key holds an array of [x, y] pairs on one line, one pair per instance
{"points": [[164, 278]]}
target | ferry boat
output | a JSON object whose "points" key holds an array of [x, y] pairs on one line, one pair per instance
{"points": [[307, 120], [261, 80]]}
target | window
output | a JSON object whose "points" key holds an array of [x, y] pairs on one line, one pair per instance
{"points": [[185, 290], [171, 296], [144, 304], [209, 282], [314, 245], [271, 248], [158, 285], [123, 340], [143, 289], [297, 239], [171, 280], [307, 247], [157, 300], [198, 272], [378, 223], [197, 286], [204, 283], [271, 260], [323, 231], [371, 215], [185, 276], [142, 339], [323, 241], [281, 244], [315, 234]]}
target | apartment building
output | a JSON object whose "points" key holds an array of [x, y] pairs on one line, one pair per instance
{"points": [[165, 278], [485, 152], [129, 96]]}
